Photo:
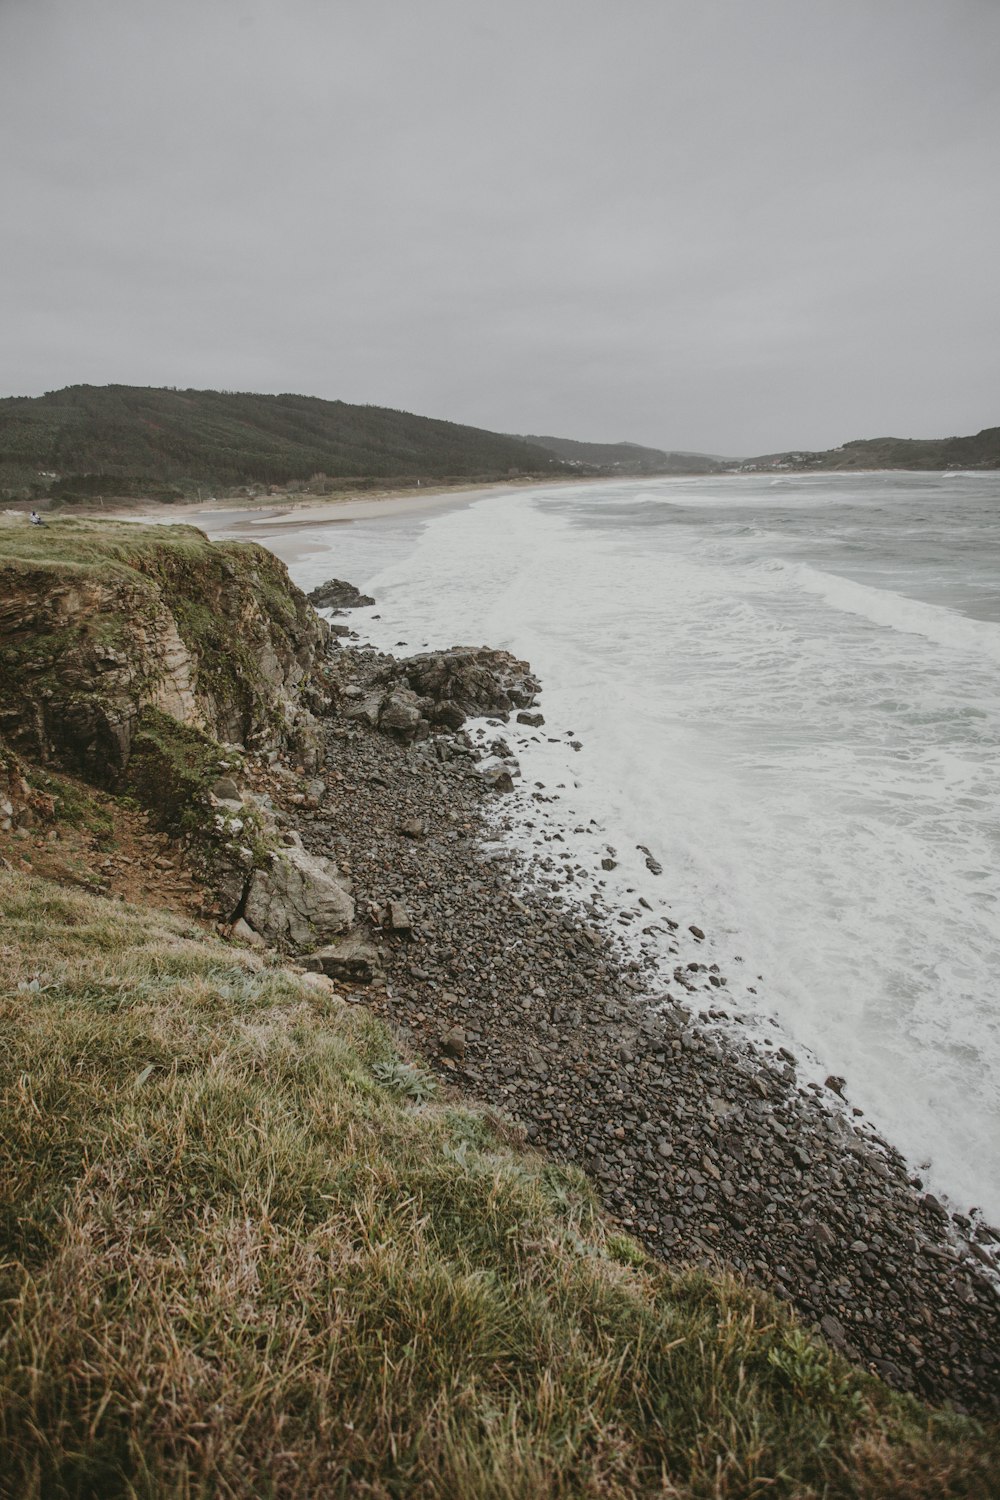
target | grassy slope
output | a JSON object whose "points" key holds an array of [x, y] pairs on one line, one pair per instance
{"points": [[242, 1254], [128, 438], [94, 544]]}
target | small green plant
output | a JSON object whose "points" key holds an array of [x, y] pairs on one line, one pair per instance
{"points": [[403, 1078], [626, 1251]]}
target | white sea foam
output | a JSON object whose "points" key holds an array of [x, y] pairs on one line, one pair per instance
{"points": [[896, 612], [809, 754]]}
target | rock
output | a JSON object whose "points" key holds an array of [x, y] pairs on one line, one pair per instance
{"points": [[448, 715], [465, 680], [535, 720], [87, 718], [453, 1042], [226, 789], [353, 959], [366, 709], [319, 983], [697, 933], [833, 1328], [398, 917], [336, 594], [298, 899], [400, 714], [244, 933]]}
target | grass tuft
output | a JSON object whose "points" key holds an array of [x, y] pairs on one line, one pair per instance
{"points": [[236, 1260]]}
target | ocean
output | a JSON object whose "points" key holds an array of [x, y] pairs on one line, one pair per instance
{"points": [[788, 690]]}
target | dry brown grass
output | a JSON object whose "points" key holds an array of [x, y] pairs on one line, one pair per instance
{"points": [[241, 1258]]}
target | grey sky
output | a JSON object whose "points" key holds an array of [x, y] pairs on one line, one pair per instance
{"points": [[728, 225]]}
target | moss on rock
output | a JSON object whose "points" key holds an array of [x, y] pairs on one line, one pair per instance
{"points": [[100, 620]]}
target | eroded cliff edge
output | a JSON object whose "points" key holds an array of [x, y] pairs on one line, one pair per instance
{"points": [[151, 661]]}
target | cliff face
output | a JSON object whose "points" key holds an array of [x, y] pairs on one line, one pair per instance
{"points": [[146, 659], [100, 621]]}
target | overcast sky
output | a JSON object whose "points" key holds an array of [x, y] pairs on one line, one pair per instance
{"points": [[724, 225]]}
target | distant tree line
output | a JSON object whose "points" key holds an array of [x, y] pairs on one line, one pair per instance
{"points": [[125, 439]]}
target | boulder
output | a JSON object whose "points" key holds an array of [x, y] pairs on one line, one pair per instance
{"points": [[365, 710], [225, 789], [242, 932], [297, 899], [353, 959], [465, 680], [400, 714], [336, 594], [453, 1042]]}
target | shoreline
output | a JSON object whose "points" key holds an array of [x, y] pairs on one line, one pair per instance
{"points": [[705, 1150], [288, 512]]}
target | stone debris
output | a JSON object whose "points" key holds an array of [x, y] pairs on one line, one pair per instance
{"points": [[704, 1146]]}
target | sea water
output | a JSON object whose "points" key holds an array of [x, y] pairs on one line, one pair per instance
{"points": [[788, 689]]}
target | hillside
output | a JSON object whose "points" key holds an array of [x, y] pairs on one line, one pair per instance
{"points": [[981, 451], [625, 458], [128, 440]]}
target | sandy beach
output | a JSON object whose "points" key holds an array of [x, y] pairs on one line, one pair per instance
{"points": [[270, 513]]}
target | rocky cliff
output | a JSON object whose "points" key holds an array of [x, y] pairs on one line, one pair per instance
{"points": [[150, 660], [100, 621]]}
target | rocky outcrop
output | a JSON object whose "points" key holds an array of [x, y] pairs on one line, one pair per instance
{"points": [[151, 660], [440, 690], [296, 899], [21, 804], [337, 595], [259, 873], [100, 621]]}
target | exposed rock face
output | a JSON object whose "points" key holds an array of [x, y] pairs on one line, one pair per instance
{"points": [[21, 804], [337, 595], [441, 689], [121, 618], [297, 899], [261, 875]]}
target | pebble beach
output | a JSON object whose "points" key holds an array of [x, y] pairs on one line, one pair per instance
{"points": [[707, 1149]]}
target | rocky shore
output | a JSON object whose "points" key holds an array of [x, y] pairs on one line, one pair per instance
{"points": [[704, 1148], [336, 805]]}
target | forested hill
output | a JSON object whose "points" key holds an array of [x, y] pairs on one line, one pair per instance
{"points": [[129, 440], [981, 451], [626, 458]]}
